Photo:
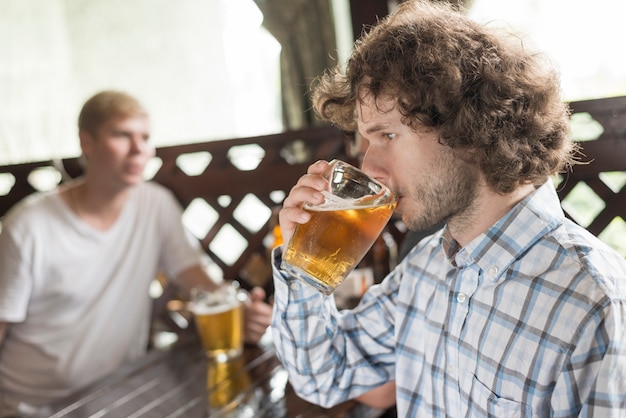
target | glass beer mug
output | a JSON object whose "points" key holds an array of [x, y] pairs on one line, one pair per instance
{"points": [[219, 320], [323, 251]]}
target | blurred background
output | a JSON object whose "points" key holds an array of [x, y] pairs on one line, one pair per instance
{"points": [[220, 69], [211, 70]]}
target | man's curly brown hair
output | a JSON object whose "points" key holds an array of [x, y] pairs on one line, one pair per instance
{"points": [[480, 90]]}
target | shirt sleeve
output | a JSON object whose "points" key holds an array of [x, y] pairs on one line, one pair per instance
{"points": [[594, 380], [180, 249], [16, 281], [332, 356]]}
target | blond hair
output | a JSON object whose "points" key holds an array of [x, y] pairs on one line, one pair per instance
{"points": [[106, 105]]}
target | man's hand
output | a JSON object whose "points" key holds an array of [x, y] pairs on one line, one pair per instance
{"points": [[382, 397], [307, 190], [258, 316]]}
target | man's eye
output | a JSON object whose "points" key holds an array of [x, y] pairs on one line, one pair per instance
{"points": [[389, 136]]}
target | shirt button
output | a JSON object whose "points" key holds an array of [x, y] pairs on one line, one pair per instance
{"points": [[461, 297], [295, 286], [493, 272]]}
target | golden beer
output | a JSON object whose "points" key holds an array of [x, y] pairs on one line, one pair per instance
{"points": [[225, 381], [221, 329], [325, 249]]}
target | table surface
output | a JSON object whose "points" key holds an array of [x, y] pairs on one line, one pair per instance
{"points": [[181, 382]]}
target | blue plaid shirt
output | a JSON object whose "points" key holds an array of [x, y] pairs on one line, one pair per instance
{"points": [[529, 319]]}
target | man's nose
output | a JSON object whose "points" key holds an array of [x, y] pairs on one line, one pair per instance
{"points": [[140, 145], [374, 166], [369, 163]]}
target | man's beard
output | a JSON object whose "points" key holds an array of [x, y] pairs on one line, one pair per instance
{"points": [[444, 197]]}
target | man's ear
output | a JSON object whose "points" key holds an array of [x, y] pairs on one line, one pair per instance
{"points": [[86, 142]]}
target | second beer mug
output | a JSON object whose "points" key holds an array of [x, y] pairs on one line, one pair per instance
{"points": [[341, 230], [219, 320]]}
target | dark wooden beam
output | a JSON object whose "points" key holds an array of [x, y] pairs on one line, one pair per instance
{"points": [[366, 13]]}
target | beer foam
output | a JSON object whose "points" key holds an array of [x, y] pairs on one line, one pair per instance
{"points": [[200, 309], [332, 202]]}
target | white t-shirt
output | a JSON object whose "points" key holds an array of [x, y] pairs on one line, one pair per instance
{"points": [[77, 297]]}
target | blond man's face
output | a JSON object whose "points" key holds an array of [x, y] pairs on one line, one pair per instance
{"points": [[119, 149]]}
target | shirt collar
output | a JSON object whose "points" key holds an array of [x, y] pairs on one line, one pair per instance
{"points": [[495, 249]]}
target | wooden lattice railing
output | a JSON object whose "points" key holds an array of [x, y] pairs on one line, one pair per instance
{"points": [[593, 194], [229, 188]]}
